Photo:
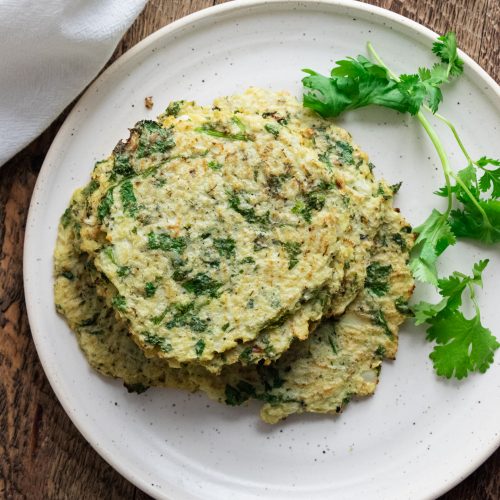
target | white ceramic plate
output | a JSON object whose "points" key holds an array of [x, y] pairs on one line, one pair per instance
{"points": [[419, 435]]}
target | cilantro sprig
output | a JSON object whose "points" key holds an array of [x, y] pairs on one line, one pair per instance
{"points": [[463, 345], [357, 82], [473, 193]]}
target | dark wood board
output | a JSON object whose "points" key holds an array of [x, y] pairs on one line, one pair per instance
{"points": [[42, 455]]}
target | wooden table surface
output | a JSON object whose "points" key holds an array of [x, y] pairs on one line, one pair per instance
{"points": [[42, 455]]}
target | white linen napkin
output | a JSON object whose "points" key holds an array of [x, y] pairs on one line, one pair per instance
{"points": [[49, 51]]}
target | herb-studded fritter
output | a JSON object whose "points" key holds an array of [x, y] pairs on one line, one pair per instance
{"points": [[210, 249]]}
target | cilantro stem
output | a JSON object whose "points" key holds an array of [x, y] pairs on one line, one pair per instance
{"points": [[470, 162], [430, 132], [442, 155], [454, 132], [377, 58], [473, 199], [472, 295]]}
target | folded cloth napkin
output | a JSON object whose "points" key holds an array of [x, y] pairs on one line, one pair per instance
{"points": [[49, 51]]}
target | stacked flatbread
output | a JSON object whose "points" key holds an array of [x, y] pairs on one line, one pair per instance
{"points": [[245, 250]]}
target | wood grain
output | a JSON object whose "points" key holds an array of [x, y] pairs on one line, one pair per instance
{"points": [[42, 455]]}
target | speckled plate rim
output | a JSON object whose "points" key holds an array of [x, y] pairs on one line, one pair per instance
{"points": [[29, 257]]}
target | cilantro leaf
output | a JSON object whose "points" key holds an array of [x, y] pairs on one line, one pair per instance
{"points": [[184, 315], [199, 347], [293, 250], [414, 90], [325, 98], [446, 49], [464, 345], [246, 210], [484, 161], [469, 177], [357, 82], [129, 201], [165, 242], [358, 68], [434, 236], [150, 289], [353, 84], [477, 218], [226, 247], [431, 79], [451, 289], [122, 166], [104, 208], [377, 278], [477, 272], [154, 139], [158, 341], [469, 222], [202, 284], [425, 311], [490, 178], [173, 108]]}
